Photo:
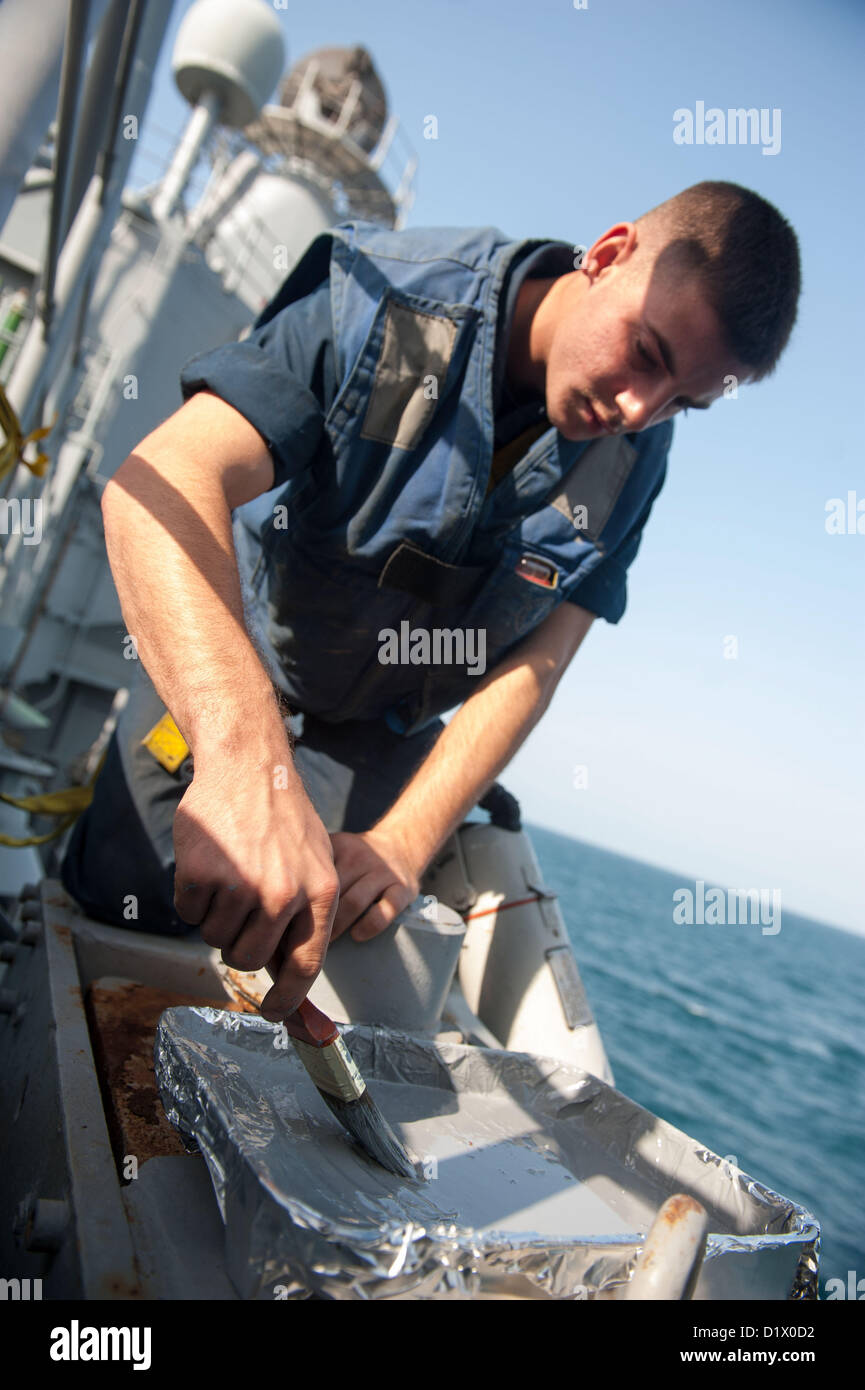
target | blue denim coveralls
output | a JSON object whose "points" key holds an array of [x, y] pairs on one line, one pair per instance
{"points": [[388, 518]]}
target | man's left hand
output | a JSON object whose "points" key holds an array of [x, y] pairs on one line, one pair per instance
{"points": [[376, 881]]}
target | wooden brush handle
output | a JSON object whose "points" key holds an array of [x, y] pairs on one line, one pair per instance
{"points": [[308, 1024]]}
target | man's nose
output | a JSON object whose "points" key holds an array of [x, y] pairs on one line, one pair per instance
{"points": [[639, 403]]}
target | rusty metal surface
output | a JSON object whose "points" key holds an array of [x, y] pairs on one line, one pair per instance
{"points": [[104, 1246], [56, 1151], [123, 1017]]}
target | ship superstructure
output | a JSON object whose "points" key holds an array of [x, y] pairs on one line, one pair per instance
{"points": [[105, 292]]}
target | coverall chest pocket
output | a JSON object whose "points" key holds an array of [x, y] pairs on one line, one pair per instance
{"points": [[406, 367], [588, 493]]}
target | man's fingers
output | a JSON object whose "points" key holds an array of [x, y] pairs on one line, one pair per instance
{"points": [[257, 940], [353, 859], [227, 910], [192, 899], [295, 966], [298, 959], [378, 917], [355, 901]]}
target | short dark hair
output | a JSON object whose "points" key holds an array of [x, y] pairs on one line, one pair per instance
{"points": [[746, 255]]}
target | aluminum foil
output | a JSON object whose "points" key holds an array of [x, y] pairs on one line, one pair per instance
{"points": [[539, 1179]]}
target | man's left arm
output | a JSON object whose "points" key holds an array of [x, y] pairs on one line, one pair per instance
{"points": [[380, 869]]}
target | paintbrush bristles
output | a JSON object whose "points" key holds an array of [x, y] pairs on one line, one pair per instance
{"points": [[335, 1075], [332, 1069], [365, 1123]]}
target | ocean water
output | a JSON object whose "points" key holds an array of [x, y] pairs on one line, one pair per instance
{"points": [[752, 1043]]}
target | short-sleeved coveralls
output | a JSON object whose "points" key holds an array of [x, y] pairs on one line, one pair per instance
{"points": [[412, 485]]}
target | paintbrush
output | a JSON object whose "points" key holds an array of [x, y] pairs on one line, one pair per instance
{"points": [[334, 1073]]}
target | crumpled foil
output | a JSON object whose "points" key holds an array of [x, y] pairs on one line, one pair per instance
{"points": [[539, 1179]]}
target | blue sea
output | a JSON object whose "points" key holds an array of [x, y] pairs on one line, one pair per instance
{"points": [[751, 1043]]}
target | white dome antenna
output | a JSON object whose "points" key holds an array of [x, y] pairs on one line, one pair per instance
{"points": [[233, 48], [228, 57]]}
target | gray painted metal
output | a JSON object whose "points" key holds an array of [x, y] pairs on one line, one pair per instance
{"points": [[179, 1236], [156, 303], [65, 1218], [94, 120], [400, 979], [102, 1237], [70, 82], [31, 37], [55, 1141], [40, 360], [668, 1265], [159, 295]]}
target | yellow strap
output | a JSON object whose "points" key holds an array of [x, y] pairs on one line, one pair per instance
{"points": [[14, 842], [67, 803], [59, 803], [12, 448], [166, 744]]}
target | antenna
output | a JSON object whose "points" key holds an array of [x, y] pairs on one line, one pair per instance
{"points": [[228, 57]]}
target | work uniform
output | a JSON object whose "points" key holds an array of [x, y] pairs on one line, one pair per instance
{"points": [[415, 492]]}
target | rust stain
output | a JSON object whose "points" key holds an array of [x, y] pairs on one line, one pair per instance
{"points": [[676, 1208], [672, 1214], [245, 990], [123, 1019]]}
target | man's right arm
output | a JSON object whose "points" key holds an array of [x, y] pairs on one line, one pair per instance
{"points": [[254, 862]]}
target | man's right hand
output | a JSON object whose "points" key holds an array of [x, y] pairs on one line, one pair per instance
{"points": [[264, 885], [254, 870]]}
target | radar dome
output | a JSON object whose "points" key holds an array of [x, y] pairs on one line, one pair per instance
{"points": [[233, 48]]}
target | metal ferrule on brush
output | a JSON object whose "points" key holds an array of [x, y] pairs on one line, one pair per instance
{"points": [[332, 1068], [335, 1075]]}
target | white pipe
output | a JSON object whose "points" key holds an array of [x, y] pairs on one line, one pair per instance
{"points": [[200, 124], [38, 358], [668, 1265]]}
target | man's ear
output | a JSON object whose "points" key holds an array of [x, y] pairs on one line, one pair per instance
{"points": [[614, 247]]}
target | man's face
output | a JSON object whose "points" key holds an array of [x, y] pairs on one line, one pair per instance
{"points": [[630, 343]]}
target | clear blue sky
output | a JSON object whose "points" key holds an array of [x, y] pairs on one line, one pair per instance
{"points": [[558, 122]]}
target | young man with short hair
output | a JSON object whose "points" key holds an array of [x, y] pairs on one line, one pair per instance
{"points": [[469, 433]]}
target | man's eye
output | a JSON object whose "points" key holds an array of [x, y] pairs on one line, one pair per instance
{"points": [[646, 356]]}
